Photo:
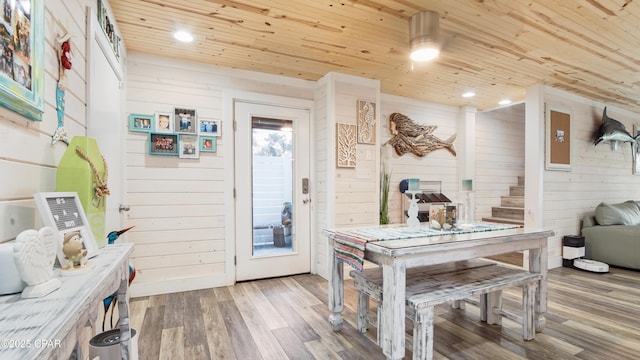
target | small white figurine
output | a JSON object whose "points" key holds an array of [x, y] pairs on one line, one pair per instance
{"points": [[73, 250], [34, 254]]}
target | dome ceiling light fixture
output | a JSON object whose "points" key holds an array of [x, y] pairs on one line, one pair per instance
{"points": [[423, 35]]}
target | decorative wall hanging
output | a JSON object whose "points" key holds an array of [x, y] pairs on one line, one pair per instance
{"points": [[207, 144], [613, 131], [63, 48], [346, 142], [558, 139], [184, 121], [83, 170], [143, 123], [189, 148], [163, 144], [366, 122], [163, 122], [408, 136], [106, 23], [209, 127], [22, 67]]}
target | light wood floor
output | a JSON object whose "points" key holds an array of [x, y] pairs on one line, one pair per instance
{"points": [[591, 316]]}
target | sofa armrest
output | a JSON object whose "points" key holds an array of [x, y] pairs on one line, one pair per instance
{"points": [[589, 221]]}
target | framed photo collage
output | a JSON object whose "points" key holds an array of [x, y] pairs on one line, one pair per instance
{"points": [[179, 133]]}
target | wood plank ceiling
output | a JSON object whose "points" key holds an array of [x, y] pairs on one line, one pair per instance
{"points": [[496, 48]]}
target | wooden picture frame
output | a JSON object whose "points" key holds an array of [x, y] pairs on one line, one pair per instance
{"points": [[22, 49], [209, 127], [184, 121], [163, 144], [636, 160], [189, 147], [141, 123], [63, 211], [559, 150], [208, 144], [163, 122]]}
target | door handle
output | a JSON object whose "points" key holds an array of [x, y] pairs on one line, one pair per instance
{"points": [[122, 208], [305, 201]]}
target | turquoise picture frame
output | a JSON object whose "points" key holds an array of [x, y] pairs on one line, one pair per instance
{"points": [[207, 144], [142, 123], [22, 69]]}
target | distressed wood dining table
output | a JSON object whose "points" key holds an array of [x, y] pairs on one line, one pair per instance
{"points": [[396, 255]]}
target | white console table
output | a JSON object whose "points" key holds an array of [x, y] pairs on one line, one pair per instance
{"points": [[50, 327]]}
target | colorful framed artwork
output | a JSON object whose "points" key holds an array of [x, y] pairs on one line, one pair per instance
{"points": [[163, 144], [163, 122], [366, 122], [189, 148], [184, 121], [143, 123], [207, 144], [22, 50], [558, 139], [209, 127], [63, 211]]}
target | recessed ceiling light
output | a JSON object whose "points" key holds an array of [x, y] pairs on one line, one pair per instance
{"points": [[505, 102], [469, 94], [183, 36]]}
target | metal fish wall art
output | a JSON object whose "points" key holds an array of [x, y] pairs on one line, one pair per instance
{"points": [[611, 130]]}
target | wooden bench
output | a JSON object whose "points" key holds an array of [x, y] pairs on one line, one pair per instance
{"points": [[369, 285], [424, 293]]}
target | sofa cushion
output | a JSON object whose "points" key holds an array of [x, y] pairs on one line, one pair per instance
{"points": [[627, 213]]}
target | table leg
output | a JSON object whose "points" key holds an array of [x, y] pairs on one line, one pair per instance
{"points": [[393, 309], [123, 312], [336, 290], [538, 259]]}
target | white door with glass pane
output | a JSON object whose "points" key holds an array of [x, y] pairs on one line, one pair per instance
{"points": [[273, 200]]}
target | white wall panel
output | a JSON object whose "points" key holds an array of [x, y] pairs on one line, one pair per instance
{"points": [[178, 205]]}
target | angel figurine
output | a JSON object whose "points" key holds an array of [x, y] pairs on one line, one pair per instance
{"points": [[34, 254]]}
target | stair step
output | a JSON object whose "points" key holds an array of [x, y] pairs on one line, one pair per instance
{"points": [[507, 212], [516, 190], [503, 220], [512, 201], [520, 180]]}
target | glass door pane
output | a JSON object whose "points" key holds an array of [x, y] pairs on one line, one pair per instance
{"points": [[272, 186]]}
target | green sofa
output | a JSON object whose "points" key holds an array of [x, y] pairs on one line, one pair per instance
{"points": [[612, 234]]}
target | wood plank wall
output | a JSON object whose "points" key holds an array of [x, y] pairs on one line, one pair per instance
{"points": [[499, 156], [598, 174], [357, 189], [320, 203], [439, 165], [28, 161], [178, 205]]}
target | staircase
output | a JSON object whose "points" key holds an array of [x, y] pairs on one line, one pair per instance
{"points": [[510, 211]]}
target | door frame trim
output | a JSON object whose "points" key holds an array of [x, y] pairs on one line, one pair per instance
{"points": [[230, 97]]}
